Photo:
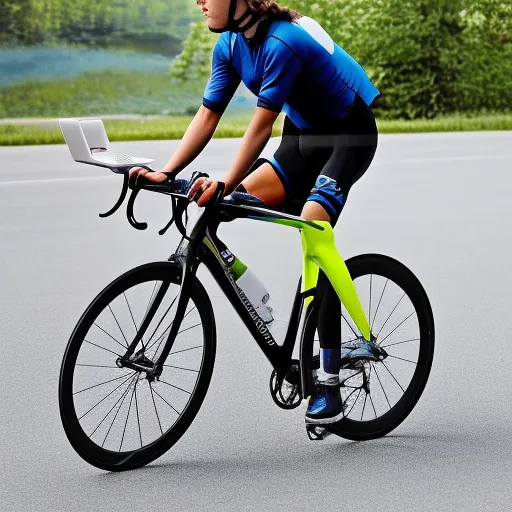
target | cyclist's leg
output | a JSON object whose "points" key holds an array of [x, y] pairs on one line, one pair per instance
{"points": [[264, 183], [353, 150], [280, 179]]}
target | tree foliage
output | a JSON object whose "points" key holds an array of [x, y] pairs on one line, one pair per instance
{"points": [[83, 21], [427, 57]]}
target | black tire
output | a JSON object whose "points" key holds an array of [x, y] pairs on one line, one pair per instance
{"points": [[135, 457], [359, 429]]}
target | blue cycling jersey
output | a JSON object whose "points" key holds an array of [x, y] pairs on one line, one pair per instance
{"points": [[295, 68]]}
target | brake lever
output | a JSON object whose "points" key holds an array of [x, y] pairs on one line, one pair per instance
{"points": [[119, 202]]}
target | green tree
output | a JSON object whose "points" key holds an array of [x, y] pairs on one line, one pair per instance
{"points": [[194, 62]]}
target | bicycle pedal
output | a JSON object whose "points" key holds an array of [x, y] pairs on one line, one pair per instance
{"points": [[316, 432]]}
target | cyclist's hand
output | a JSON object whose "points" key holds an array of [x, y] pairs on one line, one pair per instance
{"points": [[155, 176], [203, 190]]}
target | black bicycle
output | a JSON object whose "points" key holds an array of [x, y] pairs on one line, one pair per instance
{"points": [[139, 361]]}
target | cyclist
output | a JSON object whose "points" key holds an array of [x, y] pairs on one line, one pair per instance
{"points": [[329, 138]]}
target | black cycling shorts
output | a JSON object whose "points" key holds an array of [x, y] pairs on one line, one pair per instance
{"points": [[322, 164]]}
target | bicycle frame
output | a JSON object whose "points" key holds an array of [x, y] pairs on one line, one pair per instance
{"points": [[202, 246]]}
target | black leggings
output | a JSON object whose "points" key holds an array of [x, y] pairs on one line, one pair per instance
{"points": [[342, 152], [321, 164]]}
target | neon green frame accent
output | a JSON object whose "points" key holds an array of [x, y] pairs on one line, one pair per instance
{"points": [[319, 250]]}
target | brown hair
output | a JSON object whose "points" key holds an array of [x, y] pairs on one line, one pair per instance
{"points": [[272, 10]]}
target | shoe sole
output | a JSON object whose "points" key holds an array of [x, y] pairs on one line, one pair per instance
{"points": [[324, 421]]}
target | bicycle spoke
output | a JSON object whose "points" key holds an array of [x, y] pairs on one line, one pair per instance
{"points": [[103, 348], [402, 359], [122, 333], [185, 350], [112, 408], [382, 387], [351, 328], [369, 394], [159, 395], [399, 343], [378, 305], [127, 416], [110, 336], [364, 404], [373, 406], [151, 310], [156, 410], [357, 372], [389, 371], [160, 338], [180, 368], [189, 328], [179, 332], [382, 340], [355, 401], [173, 386], [138, 419], [390, 315], [160, 323], [150, 299], [104, 398], [100, 384], [130, 309], [115, 416]]}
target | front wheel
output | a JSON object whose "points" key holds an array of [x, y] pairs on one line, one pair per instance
{"points": [[119, 418], [379, 395]]}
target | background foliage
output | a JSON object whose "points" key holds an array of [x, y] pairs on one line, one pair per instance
{"points": [[94, 22], [427, 57]]}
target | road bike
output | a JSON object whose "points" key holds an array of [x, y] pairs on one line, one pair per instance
{"points": [[138, 363]]}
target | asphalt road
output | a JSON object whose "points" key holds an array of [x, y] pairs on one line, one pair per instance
{"points": [[439, 203]]}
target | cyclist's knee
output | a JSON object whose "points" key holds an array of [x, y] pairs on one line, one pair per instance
{"points": [[326, 200], [264, 183], [314, 211]]}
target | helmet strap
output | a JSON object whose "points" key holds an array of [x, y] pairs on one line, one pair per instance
{"points": [[233, 25]]}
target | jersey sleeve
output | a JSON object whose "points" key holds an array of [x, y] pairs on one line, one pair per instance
{"points": [[223, 81], [282, 66]]}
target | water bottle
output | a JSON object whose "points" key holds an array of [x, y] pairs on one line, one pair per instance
{"points": [[250, 287]]}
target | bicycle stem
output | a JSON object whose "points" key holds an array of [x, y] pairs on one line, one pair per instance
{"points": [[319, 251]]}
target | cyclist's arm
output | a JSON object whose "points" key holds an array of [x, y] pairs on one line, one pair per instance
{"points": [[281, 69], [219, 90], [195, 139], [255, 139]]}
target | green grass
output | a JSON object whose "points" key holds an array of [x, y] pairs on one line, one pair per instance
{"points": [[459, 123], [166, 128], [105, 92]]}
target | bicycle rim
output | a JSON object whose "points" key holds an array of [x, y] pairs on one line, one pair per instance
{"points": [[378, 396], [118, 418]]}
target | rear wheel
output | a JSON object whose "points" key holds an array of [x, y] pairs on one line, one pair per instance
{"points": [[120, 418], [378, 396]]}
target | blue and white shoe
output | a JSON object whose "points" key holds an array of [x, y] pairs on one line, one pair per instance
{"points": [[326, 406], [358, 351]]}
